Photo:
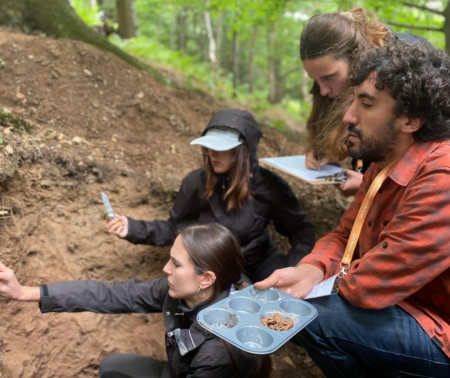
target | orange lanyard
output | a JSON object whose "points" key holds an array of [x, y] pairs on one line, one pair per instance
{"points": [[359, 221]]}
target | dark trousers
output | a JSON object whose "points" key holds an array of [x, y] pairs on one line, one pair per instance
{"points": [[350, 342], [275, 260], [130, 366]]}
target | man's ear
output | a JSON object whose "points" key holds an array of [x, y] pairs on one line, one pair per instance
{"points": [[208, 280], [410, 125]]}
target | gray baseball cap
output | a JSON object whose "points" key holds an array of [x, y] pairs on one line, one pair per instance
{"points": [[219, 139]]}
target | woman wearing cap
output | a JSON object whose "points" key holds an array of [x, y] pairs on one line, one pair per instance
{"points": [[205, 267], [233, 190], [329, 44]]}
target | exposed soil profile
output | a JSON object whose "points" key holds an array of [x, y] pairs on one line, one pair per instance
{"points": [[97, 125], [277, 323]]}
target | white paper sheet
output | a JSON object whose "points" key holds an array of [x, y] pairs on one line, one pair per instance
{"points": [[295, 165], [328, 287]]}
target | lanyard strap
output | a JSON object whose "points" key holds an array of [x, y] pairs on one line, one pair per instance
{"points": [[362, 213]]}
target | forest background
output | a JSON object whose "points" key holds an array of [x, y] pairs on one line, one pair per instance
{"points": [[245, 50]]}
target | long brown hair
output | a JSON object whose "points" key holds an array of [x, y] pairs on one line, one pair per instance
{"points": [[345, 35], [239, 189], [212, 247]]}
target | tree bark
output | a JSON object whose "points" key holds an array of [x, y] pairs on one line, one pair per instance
{"points": [[212, 41], [251, 59], [272, 36], [182, 30], [126, 18], [235, 62], [56, 18], [160, 26], [173, 30], [219, 30]]}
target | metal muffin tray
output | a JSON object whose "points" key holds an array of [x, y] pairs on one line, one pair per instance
{"points": [[237, 319]]}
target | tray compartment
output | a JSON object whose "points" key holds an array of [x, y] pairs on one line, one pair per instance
{"points": [[243, 305], [254, 338], [221, 318], [267, 295], [295, 307]]}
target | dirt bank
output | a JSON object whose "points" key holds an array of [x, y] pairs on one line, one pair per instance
{"points": [[98, 125]]}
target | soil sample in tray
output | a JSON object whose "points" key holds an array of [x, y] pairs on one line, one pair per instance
{"points": [[277, 323]]}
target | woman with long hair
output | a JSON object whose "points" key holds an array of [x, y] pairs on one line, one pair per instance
{"points": [[205, 266], [233, 190], [329, 44]]}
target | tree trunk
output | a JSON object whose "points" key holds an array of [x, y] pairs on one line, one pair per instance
{"points": [[56, 18], [219, 29], [304, 92], [272, 36], [235, 62], [211, 40], [126, 18], [279, 79], [182, 32], [173, 30], [446, 28], [160, 26], [251, 58]]}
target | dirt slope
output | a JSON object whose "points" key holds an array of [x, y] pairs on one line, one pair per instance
{"points": [[98, 125]]}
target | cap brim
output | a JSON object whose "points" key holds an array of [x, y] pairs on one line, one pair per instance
{"points": [[215, 143]]}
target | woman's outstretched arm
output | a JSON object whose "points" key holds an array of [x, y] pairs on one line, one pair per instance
{"points": [[94, 296], [11, 288]]}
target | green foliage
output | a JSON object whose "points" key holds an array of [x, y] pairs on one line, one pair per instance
{"points": [[196, 72], [172, 33], [393, 13], [91, 16]]}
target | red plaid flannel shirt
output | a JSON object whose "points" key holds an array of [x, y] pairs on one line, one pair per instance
{"points": [[403, 252]]}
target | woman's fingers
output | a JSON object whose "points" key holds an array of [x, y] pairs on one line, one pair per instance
{"points": [[312, 163], [324, 161], [118, 226]]}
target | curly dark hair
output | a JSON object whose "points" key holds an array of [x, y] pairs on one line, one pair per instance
{"points": [[418, 78]]}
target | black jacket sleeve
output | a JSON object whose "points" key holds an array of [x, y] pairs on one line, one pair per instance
{"points": [[104, 297], [290, 220], [185, 209], [208, 365]]}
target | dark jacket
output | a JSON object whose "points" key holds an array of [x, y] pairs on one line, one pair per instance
{"points": [[191, 350], [273, 200]]}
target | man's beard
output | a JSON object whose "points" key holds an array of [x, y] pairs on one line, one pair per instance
{"points": [[375, 148]]}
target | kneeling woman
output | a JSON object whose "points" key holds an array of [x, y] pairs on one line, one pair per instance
{"points": [[205, 266], [233, 190]]}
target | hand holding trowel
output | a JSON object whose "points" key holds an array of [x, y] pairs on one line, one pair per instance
{"points": [[116, 224]]}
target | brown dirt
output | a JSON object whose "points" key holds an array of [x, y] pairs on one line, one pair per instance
{"points": [[98, 125], [277, 323]]}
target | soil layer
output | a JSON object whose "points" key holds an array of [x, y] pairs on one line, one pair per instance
{"points": [[99, 125]]}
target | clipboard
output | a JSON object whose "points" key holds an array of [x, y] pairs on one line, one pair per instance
{"points": [[295, 166]]}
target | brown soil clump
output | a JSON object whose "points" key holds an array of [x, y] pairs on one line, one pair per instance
{"points": [[98, 125], [277, 323]]}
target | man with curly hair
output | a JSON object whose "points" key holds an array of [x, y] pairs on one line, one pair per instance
{"points": [[392, 315]]}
